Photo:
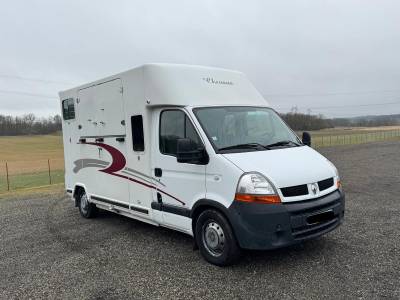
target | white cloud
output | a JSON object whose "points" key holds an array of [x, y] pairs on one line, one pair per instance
{"points": [[285, 47]]}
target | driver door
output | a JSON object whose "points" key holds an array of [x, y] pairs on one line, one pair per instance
{"points": [[180, 184]]}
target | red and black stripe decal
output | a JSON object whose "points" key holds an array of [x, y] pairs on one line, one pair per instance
{"points": [[119, 162]]}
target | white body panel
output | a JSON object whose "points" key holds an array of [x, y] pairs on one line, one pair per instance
{"points": [[287, 167], [195, 85], [113, 173]]}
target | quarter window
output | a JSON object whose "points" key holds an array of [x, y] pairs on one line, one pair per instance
{"points": [[174, 125], [137, 133], [68, 109]]}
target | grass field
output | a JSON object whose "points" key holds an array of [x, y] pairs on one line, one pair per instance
{"points": [[37, 147], [26, 180], [353, 135], [28, 157]]}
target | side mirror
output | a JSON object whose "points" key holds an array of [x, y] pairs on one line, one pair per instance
{"points": [[306, 139], [187, 151]]}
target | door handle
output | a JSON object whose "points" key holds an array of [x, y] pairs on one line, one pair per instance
{"points": [[159, 198], [158, 172]]}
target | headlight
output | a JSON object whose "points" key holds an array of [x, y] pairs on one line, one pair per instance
{"points": [[254, 187], [338, 182]]}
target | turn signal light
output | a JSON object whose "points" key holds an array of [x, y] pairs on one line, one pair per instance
{"points": [[266, 199], [339, 184]]}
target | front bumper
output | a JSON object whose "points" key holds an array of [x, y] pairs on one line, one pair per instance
{"points": [[269, 226]]}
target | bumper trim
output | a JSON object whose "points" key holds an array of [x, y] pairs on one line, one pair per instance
{"points": [[316, 230], [269, 226]]}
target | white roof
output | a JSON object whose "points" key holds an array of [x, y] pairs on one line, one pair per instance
{"points": [[168, 84], [187, 85]]}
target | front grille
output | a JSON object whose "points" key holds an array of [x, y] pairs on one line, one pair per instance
{"points": [[325, 184], [303, 207], [297, 190]]}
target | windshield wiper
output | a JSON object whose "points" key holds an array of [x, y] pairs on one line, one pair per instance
{"points": [[244, 146], [282, 143]]}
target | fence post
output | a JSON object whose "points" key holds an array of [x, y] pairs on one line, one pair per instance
{"points": [[8, 179], [48, 164]]}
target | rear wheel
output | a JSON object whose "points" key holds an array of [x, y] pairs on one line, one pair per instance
{"points": [[215, 238], [87, 209]]}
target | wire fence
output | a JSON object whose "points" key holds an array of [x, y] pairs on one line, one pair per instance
{"points": [[358, 137], [25, 173], [21, 174]]}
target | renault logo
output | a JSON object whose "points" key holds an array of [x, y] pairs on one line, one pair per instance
{"points": [[314, 188]]}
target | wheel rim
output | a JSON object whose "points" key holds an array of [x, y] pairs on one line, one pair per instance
{"points": [[84, 203], [214, 238]]}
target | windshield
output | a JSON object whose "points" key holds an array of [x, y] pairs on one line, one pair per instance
{"points": [[245, 128]]}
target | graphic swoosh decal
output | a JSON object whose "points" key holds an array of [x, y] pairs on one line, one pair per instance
{"points": [[118, 163], [88, 162]]}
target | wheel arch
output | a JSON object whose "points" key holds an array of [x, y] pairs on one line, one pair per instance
{"points": [[78, 188], [204, 204]]}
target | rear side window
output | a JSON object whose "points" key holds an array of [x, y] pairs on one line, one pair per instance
{"points": [[174, 125], [137, 133], [68, 109]]}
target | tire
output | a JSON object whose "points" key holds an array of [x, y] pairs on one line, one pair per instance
{"points": [[215, 239], [88, 210]]}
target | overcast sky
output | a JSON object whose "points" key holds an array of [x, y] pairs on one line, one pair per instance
{"points": [[339, 58]]}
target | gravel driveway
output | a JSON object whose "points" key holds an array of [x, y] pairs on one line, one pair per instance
{"points": [[48, 251]]}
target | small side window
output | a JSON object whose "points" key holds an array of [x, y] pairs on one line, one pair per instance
{"points": [[137, 133], [68, 109]]}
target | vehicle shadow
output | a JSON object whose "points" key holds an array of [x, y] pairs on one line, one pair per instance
{"points": [[170, 238]]}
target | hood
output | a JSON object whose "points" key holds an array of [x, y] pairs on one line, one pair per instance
{"points": [[285, 167]]}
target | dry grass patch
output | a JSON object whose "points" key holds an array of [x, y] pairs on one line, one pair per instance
{"points": [[30, 154]]}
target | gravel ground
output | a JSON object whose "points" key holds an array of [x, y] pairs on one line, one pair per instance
{"points": [[48, 251]]}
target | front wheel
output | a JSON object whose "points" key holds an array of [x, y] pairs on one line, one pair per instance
{"points": [[215, 238], [87, 209]]}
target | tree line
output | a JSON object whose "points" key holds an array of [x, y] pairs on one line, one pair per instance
{"points": [[299, 121], [29, 124], [368, 121]]}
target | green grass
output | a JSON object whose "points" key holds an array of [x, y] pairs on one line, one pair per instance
{"points": [[27, 159], [23, 181]]}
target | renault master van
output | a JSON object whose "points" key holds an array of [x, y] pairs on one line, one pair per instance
{"points": [[198, 150]]}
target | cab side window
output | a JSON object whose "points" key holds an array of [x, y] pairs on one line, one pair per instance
{"points": [[174, 125]]}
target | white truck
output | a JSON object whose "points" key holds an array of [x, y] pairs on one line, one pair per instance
{"points": [[199, 150]]}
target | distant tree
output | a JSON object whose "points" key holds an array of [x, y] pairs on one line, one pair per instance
{"points": [[299, 121], [368, 121], [29, 124]]}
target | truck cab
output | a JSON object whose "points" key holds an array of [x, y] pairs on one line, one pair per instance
{"points": [[198, 150]]}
